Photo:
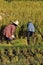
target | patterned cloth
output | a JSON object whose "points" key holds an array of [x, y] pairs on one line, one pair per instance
{"points": [[9, 30]]}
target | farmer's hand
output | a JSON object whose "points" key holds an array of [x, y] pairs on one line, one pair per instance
{"points": [[13, 37]]}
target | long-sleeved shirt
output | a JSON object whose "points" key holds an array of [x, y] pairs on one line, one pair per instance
{"points": [[9, 30]]}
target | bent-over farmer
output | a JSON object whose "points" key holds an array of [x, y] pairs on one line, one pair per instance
{"points": [[9, 30], [30, 31]]}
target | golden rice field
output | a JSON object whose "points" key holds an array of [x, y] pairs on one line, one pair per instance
{"points": [[19, 52]]}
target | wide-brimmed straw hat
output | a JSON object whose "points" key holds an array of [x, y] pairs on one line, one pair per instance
{"points": [[16, 23]]}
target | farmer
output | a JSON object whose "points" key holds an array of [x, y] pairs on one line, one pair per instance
{"points": [[30, 31], [9, 30]]}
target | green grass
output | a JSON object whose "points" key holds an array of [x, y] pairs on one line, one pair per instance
{"points": [[33, 56]]}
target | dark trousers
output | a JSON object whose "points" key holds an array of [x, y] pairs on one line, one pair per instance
{"points": [[29, 34], [7, 39]]}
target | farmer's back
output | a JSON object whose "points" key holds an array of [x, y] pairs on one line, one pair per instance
{"points": [[8, 30], [30, 27]]}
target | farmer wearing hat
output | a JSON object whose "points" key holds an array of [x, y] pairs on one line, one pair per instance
{"points": [[9, 30]]}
